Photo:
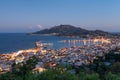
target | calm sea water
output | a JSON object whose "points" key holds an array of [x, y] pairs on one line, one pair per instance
{"points": [[11, 42]]}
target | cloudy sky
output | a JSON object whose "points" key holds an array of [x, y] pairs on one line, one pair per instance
{"points": [[33, 15]]}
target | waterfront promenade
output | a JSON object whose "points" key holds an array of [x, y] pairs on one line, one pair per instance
{"points": [[76, 55]]}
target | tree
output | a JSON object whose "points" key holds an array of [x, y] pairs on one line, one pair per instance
{"points": [[115, 68], [111, 76], [86, 76], [56, 74], [25, 67]]}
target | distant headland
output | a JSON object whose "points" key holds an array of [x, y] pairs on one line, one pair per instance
{"points": [[69, 30]]}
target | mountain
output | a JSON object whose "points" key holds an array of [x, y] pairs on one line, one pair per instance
{"points": [[69, 30]]}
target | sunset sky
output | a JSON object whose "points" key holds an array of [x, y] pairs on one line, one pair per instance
{"points": [[34, 15]]}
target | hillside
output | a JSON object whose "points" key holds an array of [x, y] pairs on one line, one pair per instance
{"points": [[69, 30]]}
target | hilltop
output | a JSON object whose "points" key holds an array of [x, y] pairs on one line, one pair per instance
{"points": [[69, 30]]}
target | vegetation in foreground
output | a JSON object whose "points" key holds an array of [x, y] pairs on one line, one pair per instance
{"points": [[103, 68]]}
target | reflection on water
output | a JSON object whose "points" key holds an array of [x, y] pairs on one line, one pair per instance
{"points": [[11, 42]]}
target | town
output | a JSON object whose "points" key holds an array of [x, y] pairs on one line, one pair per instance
{"points": [[75, 56]]}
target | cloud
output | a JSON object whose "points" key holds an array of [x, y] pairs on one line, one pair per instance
{"points": [[39, 26], [35, 28]]}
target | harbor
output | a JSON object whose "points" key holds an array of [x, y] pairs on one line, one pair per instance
{"points": [[76, 55]]}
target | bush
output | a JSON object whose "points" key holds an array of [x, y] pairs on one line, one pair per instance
{"points": [[53, 74], [86, 76], [115, 68], [111, 76]]}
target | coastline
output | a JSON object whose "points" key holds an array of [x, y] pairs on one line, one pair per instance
{"points": [[75, 56]]}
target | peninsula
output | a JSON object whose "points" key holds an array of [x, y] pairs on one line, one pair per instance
{"points": [[69, 30]]}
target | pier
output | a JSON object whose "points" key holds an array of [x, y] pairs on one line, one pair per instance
{"points": [[87, 41]]}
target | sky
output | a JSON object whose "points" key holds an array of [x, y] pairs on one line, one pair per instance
{"points": [[34, 15]]}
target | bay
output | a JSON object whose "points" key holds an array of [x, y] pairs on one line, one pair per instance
{"points": [[12, 42]]}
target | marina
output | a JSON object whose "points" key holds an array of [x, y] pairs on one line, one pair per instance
{"points": [[12, 42], [8, 42], [76, 55]]}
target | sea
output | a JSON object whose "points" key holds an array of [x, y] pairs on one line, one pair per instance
{"points": [[12, 42]]}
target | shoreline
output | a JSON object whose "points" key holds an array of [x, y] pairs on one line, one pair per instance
{"points": [[65, 41], [75, 56]]}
